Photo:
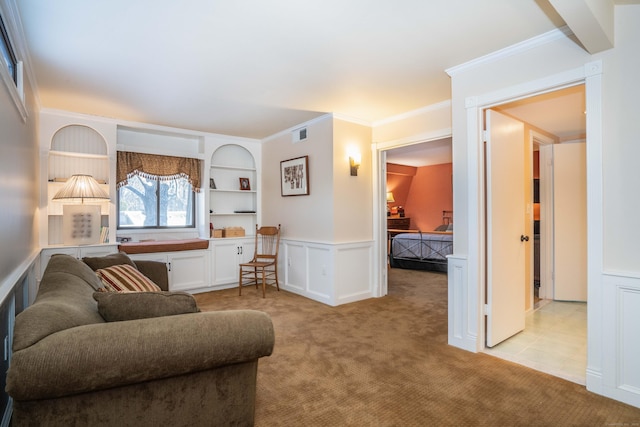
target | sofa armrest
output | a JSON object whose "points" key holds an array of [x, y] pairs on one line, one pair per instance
{"points": [[156, 271], [102, 356]]}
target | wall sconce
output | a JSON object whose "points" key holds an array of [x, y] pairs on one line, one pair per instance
{"points": [[81, 223], [354, 163]]}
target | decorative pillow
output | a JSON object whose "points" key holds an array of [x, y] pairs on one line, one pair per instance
{"points": [[125, 278], [116, 306]]}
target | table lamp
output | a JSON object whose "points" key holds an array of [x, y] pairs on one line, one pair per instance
{"points": [[81, 222], [390, 199]]}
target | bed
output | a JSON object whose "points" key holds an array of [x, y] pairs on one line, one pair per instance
{"points": [[420, 250]]}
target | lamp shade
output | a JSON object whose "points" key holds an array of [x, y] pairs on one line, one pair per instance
{"points": [[81, 187], [390, 198]]}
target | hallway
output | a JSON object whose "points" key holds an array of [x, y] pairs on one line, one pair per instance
{"points": [[554, 341]]}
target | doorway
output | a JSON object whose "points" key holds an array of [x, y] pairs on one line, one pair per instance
{"points": [[553, 335]]}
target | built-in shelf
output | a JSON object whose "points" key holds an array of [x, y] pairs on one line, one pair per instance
{"points": [[232, 213], [237, 168], [78, 155], [232, 191], [74, 149], [229, 164]]}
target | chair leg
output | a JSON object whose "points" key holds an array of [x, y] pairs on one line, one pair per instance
{"points": [[276, 274], [255, 276], [264, 284], [240, 283]]}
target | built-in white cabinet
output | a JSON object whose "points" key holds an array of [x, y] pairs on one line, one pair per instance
{"points": [[230, 196], [75, 251], [227, 254], [188, 270], [233, 188]]}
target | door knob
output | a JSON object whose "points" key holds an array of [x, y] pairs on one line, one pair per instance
{"points": [[524, 238]]}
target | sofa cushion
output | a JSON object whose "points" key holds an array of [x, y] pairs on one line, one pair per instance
{"points": [[97, 263], [117, 306], [64, 301], [122, 278]]}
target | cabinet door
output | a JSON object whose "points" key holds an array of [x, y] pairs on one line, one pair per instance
{"points": [[188, 270], [153, 256], [227, 255]]}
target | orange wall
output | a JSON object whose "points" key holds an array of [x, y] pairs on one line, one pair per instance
{"points": [[424, 195], [399, 179]]}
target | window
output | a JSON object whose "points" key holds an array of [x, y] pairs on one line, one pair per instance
{"points": [[11, 69], [156, 191], [8, 55], [146, 202]]}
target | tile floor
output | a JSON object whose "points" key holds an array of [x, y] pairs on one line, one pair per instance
{"points": [[554, 341]]}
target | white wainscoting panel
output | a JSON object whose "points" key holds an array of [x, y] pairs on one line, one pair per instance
{"points": [[295, 267], [320, 286], [354, 272], [620, 332], [462, 328], [332, 274]]}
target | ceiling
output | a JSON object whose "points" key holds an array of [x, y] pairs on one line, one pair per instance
{"points": [[560, 114], [254, 68]]}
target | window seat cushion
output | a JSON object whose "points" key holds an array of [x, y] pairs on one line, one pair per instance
{"points": [[163, 246]]}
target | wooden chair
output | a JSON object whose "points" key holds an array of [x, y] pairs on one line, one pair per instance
{"points": [[264, 265]]}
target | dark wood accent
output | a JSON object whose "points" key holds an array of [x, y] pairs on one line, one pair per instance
{"points": [[398, 223]]}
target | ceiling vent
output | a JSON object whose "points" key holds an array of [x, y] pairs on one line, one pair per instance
{"points": [[299, 135]]}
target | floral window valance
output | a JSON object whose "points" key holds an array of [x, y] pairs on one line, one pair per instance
{"points": [[152, 166]]}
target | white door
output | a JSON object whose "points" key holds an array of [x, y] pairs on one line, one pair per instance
{"points": [[505, 180], [570, 221]]}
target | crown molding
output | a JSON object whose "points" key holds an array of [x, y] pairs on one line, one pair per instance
{"points": [[514, 49], [446, 104]]}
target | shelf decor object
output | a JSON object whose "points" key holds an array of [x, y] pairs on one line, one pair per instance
{"points": [[245, 184], [294, 176], [81, 222]]}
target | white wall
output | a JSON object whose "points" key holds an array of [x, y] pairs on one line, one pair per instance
{"points": [[327, 249], [612, 178], [18, 182], [621, 143], [302, 217], [352, 198], [427, 123]]}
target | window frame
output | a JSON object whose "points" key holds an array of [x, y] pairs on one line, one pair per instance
{"points": [[13, 81], [8, 49], [158, 226]]}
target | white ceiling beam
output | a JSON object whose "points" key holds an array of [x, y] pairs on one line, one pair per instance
{"points": [[590, 20]]}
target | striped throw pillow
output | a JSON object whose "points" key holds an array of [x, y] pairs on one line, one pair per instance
{"points": [[125, 278]]}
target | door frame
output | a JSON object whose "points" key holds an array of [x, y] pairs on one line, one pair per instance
{"points": [[546, 211], [591, 76], [379, 156]]}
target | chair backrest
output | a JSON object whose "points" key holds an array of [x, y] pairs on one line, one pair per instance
{"points": [[267, 242]]}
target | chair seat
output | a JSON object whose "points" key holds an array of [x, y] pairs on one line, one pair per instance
{"points": [[257, 263]]}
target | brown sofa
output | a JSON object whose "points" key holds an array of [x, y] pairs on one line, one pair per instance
{"points": [[70, 367]]}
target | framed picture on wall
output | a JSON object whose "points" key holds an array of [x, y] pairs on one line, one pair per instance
{"points": [[294, 176]]}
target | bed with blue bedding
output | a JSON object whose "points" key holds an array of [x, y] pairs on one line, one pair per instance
{"points": [[421, 250]]}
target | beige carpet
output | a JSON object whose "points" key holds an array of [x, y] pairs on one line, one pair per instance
{"points": [[386, 362]]}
